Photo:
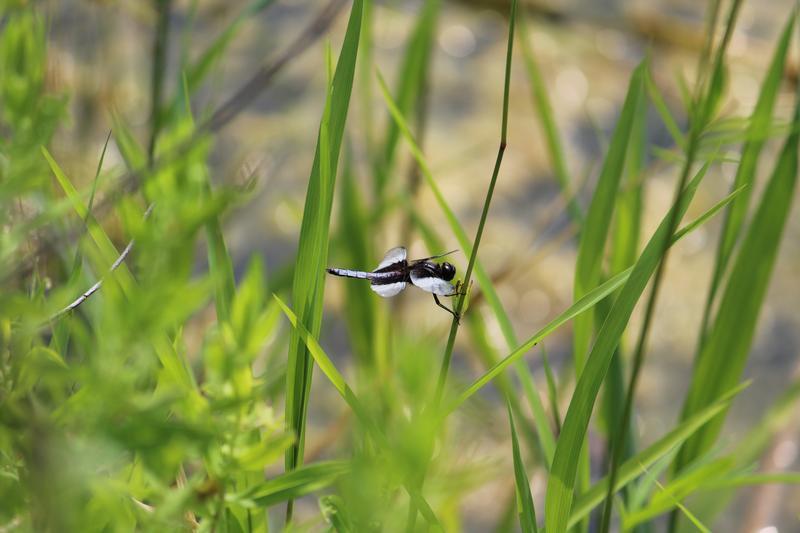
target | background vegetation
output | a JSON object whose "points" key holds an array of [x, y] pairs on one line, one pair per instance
{"points": [[192, 387]]}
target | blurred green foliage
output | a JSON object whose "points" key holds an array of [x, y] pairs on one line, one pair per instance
{"points": [[176, 397]]}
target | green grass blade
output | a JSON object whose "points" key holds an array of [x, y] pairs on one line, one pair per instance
{"points": [[562, 479], [757, 132], [308, 284], [724, 355], [525, 509], [588, 267], [291, 485], [548, 124], [634, 467]]}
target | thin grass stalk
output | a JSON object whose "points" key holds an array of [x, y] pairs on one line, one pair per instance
{"points": [[459, 304], [706, 100]]}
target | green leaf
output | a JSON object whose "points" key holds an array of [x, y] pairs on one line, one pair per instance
{"points": [[309, 282], [176, 367], [562, 478], [338, 381]]}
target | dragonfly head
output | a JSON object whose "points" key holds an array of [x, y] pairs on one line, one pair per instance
{"points": [[448, 271]]}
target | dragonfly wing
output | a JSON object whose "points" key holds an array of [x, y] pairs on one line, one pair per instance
{"points": [[388, 289], [415, 261], [432, 284], [395, 255]]}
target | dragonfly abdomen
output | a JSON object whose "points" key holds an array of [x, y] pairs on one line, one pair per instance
{"points": [[345, 273]]}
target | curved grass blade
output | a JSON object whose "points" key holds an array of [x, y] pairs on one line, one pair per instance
{"points": [[581, 306], [560, 488], [412, 76]]}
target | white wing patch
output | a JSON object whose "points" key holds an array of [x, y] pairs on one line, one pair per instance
{"points": [[393, 256], [389, 289], [433, 284]]}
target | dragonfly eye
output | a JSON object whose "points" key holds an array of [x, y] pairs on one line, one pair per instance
{"points": [[448, 271]]}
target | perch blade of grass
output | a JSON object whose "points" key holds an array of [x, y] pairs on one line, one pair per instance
{"points": [[308, 284], [560, 489], [547, 440], [723, 356], [525, 508]]}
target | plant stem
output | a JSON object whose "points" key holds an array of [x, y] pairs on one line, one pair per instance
{"points": [[459, 304]]}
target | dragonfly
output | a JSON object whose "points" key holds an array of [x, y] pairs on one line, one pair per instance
{"points": [[395, 273]]}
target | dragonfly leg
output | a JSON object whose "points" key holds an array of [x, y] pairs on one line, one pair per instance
{"points": [[436, 298]]}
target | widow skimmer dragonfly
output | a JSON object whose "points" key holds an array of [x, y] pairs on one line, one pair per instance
{"points": [[395, 272]]}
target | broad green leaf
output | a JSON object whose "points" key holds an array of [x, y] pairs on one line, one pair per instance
{"points": [[309, 282]]}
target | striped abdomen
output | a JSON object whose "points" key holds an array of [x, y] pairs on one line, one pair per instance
{"points": [[375, 277]]}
